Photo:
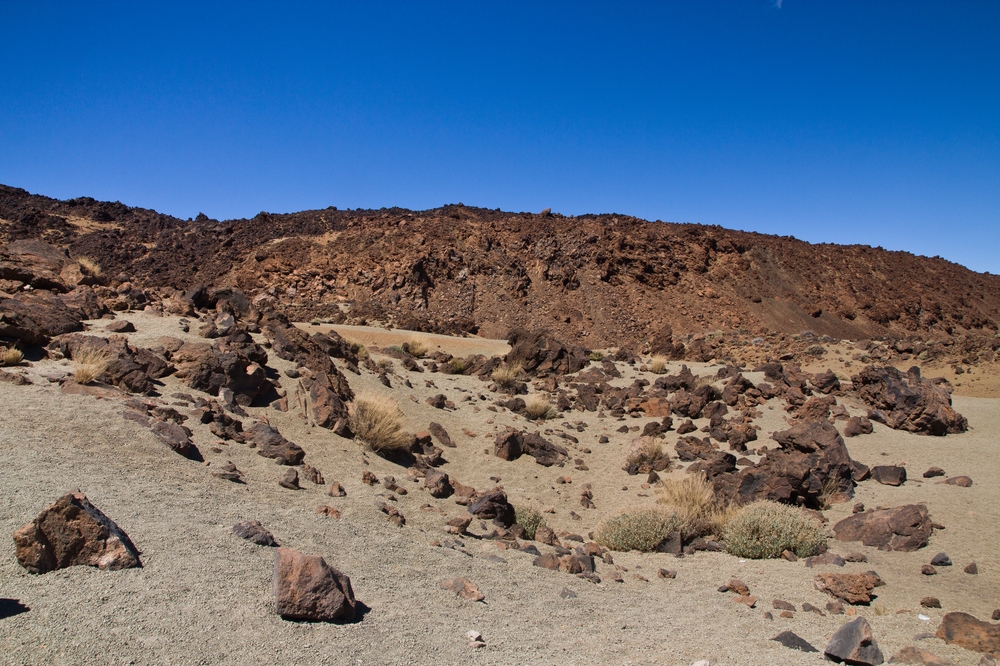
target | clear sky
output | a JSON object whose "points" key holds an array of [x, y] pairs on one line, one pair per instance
{"points": [[838, 121]]}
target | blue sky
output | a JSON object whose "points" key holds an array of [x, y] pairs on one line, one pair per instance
{"points": [[849, 122]]}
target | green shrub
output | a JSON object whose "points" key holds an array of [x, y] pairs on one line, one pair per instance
{"points": [[765, 529], [529, 519], [595, 356], [642, 530]]}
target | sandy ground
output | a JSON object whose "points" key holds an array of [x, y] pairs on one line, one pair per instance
{"points": [[203, 596]]}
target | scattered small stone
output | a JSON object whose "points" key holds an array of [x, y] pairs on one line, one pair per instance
{"points": [[252, 530], [328, 511], [971, 568], [858, 508], [793, 641], [835, 607], [395, 517], [475, 639], [313, 474], [368, 478], [852, 588], [667, 573], [789, 555], [786, 614], [464, 588], [930, 602], [567, 593], [941, 560], [889, 475], [932, 472], [825, 558], [960, 481], [928, 570], [336, 490], [749, 601], [228, 472], [290, 480], [996, 615], [779, 604], [809, 608], [912, 655], [767, 615], [856, 557]]}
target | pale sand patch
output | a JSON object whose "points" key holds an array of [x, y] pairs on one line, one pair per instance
{"points": [[204, 596]]}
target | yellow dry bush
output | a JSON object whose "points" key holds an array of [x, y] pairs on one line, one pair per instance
{"points": [[377, 422], [89, 365], [538, 407], [506, 376], [658, 365], [90, 266], [11, 356], [416, 348], [693, 500]]}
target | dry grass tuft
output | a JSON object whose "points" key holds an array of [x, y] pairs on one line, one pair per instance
{"points": [[506, 376], [90, 364], [90, 266], [529, 519], [377, 421], [658, 365], [765, 529], [693, 500], [416, 348], [359, 349], [643, 530], [11, 357], [538, 407]]}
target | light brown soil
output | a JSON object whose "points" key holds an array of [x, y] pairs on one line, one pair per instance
{"points": [[204, 596]]}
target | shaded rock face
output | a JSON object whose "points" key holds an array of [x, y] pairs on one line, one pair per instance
{"points": [[177, 438], [130, 368], [70, 532], [903, 528], [234, 362], [271, 444], [663, 344], [908, 401], [812, 462], [307, 588], [970, 633], [33, 318], [541, 354], [329, 390], [854, 643], [494, 505], [510, 445]]}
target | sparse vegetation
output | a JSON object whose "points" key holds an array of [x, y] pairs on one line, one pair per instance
{"points": [[830, 493], [538, 407], [377, 422], [642, 530], [693, 500], [89, 364], [359, 349], [658, 365], [458, 365], [416, 348], [90, 266], [384, 365], [765, 529], [11, 356], [595, 356], [529, 519], [506, 376]]}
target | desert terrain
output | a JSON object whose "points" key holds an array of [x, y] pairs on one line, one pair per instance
{"points": [[180, 410]]}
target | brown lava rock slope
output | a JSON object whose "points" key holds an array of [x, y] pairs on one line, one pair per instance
{"points": [[596, 280]]}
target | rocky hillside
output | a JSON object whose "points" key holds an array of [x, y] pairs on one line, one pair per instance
{"points": [[596, 280]]}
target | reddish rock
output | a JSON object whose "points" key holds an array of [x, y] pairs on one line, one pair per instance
{"points": [[252, 530], [932, 472], [849, 587], [290, 480], [438, 484], [960, 481], [177, 438], [271, 444], [912, 655], [441, 435], [228, 472], [464, 588], [336, 490], [930, 602], [307, 588], [71, 532], [310, 473], [328, 511], [854, 643], [904, 528], [494, 505], [857, 425], [908, 401], [966, 631], [368, 478]]}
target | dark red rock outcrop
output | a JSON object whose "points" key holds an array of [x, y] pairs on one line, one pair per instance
{"points": [[904, 528], [908, 401]]}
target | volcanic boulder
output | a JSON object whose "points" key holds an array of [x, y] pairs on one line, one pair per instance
{"points": [[539, 353], [908, 401], [271, 444], [494, 505], [904, 528], [72, 531], [970, 633], [854, 643]]}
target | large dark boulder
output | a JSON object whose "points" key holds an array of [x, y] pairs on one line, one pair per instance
{"points": [[811, 467], [129, 368], [908, 401], [494, 505], [539, 353]]}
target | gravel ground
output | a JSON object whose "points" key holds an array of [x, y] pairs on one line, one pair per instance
{"points": [[203, 596]]}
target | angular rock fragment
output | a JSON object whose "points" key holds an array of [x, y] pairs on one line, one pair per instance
{"points": [[794, 641], [307, 588], [850, 587], [464, 588], [494, 505], [889, 475], [290, 480], [903, 528], [71, 532], [228, 472], [966, 631], [854, 643], [178, 438], [252, 530], [271, 444]]}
